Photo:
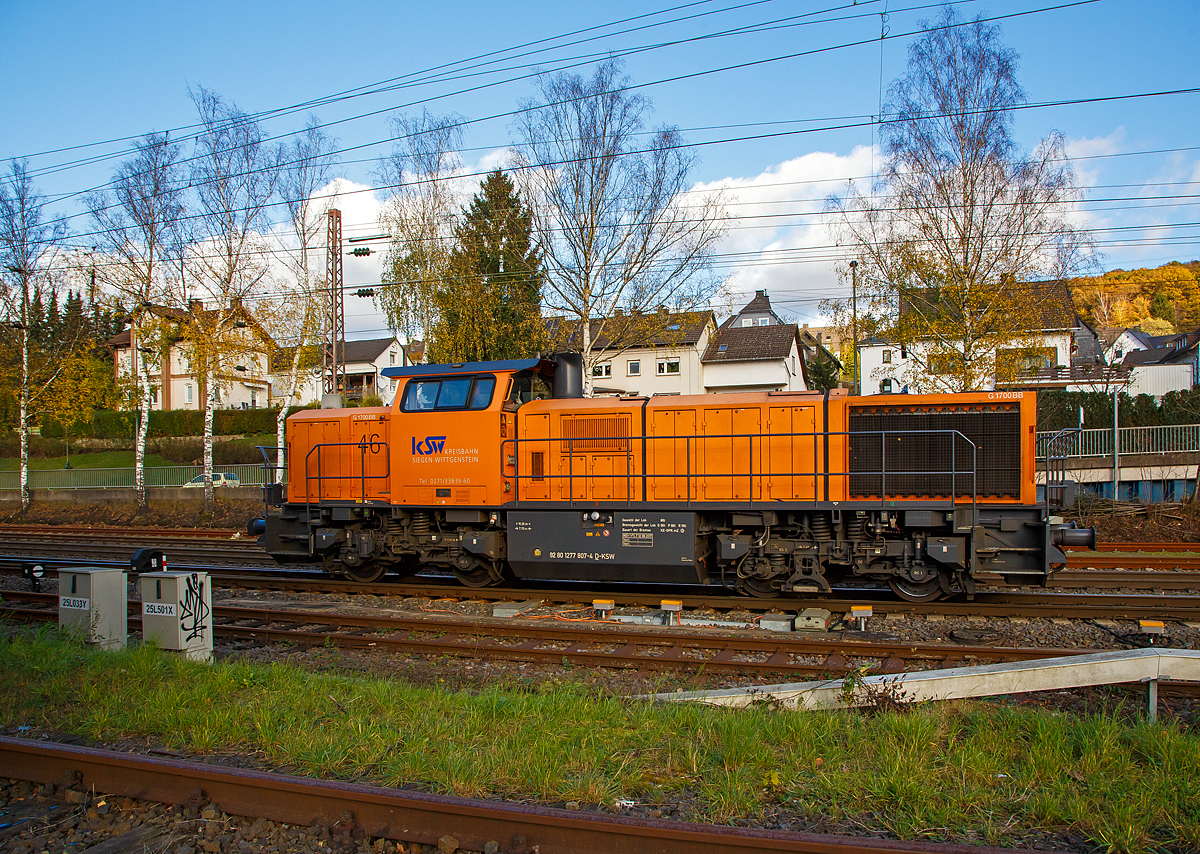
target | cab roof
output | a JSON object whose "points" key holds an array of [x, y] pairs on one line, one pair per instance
{"points": [[470, 368]]}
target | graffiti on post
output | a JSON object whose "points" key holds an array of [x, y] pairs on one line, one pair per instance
{"points": [[193, 610]]}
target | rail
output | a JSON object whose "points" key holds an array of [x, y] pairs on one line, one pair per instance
{"points": [[123, 478], [1164, 439], [820, 475]]}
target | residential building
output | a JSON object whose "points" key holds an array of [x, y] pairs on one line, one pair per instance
{"points": [[757, 312], [175, 383], [643, 354], [755, 350], [1139, 352], [755, 358], [830, 337], [1061, 352], [365, 360]]}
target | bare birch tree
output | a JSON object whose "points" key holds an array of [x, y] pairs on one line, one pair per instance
{"points": [[961, 223], [137, 225], [617, 224], [235, 173], [300, 317], [421, 214], [27, 247]]}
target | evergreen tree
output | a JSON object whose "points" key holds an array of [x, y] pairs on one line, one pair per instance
{"points": [[488, 306], [1162, 308]]}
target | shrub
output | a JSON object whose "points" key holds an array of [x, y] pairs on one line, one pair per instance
{"points": [[1060, 409], [39, 446]]}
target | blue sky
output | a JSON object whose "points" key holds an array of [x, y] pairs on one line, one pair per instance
{"points": [[80, 73]]}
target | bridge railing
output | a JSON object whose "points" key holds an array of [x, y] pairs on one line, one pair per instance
{"points": [[1165, 439]]}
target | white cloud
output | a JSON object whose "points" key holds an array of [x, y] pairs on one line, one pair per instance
{"points": [[779, 240]]}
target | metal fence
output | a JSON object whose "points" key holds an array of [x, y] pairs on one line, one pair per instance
{"points": [[247, 475], [1171, 438]]}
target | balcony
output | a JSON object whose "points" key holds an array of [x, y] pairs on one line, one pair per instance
{"points": [[1099, 377]]}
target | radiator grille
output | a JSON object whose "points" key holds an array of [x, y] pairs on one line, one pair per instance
{"points": [[537, 465], [606, 434], [911, 461]]}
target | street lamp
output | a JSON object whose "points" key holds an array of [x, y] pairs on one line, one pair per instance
{"points": [[854, 324]]}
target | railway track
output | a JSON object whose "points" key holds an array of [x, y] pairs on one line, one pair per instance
{"points": [[596, 644], [77, 543], [1014, 603], [593, 644], [417, 816], [239, 563]]}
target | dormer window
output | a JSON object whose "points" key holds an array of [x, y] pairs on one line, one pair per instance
{"points": [[747, 321]]}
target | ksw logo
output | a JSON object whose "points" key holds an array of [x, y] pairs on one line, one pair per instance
{"points": [[431, 445]]}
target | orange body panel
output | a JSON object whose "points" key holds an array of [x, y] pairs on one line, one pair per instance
{"points": [[730, 447], [447, 457], [338, 455], [727, 448]]}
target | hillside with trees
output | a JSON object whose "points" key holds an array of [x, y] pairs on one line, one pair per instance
{"points": [[1159, 300]]}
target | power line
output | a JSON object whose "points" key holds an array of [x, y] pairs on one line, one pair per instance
{"points": [[692, 75]]}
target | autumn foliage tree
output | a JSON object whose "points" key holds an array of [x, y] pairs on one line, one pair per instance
{"points": [[1158, 300]]}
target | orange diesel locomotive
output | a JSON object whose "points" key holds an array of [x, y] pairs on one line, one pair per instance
{"points": [[490, 468]]}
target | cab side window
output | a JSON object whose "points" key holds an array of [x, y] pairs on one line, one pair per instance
{"points": [[421, 395], [448, 393], [482, 396], [454, 394]]}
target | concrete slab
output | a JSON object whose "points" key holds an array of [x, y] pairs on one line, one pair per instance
{"points": [[511, 609], [779, 622], [1050, 674]]}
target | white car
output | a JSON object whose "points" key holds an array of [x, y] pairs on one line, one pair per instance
{"points": [[218, 479]]}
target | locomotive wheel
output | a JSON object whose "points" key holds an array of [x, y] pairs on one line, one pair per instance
{"points": [[760, 588], [911, 591], [477, 576], [365, 573]]}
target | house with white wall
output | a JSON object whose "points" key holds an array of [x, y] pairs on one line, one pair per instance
{"points": [[642, 354], [755, 350], [1057, 351], [159, 344], [1158, 363], [755, 358], [365, 360]]}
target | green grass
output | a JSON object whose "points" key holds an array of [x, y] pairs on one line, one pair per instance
{"points": [[977, 771]]}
